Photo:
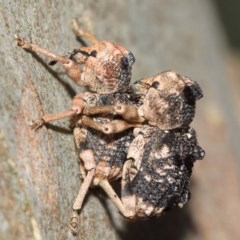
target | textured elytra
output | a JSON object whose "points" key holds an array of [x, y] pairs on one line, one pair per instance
{"points": [[161, 172]]}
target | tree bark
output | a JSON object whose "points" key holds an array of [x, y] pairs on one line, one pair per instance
{"points": [[39, 170]]}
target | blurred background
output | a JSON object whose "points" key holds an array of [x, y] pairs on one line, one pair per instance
{"points": [[210, 55], [200, 39], [217, 179]]}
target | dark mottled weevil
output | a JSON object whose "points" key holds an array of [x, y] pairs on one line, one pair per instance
{"points": [[157, 171], [104, 68], [157, 178]]}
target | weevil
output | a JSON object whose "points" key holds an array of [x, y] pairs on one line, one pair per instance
{"points": [[157, 171], [104, 68], [160, 108]]}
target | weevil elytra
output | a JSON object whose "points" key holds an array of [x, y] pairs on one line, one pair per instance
{"points": [[137, 132]]}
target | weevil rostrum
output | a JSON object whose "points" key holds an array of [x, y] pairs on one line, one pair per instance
{"points": [[115, 123]]}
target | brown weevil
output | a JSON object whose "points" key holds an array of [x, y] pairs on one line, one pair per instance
{"points": [[104, 68]]}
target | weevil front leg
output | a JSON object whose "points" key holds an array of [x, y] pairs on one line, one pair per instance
{"points": [[71, 67], [52, 117], [76, 109], [128, 112]]}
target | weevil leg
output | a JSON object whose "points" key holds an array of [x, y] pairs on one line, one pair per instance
{"points": [[76, 109], [89, 164], [79, 137], [94, 110], [114, 126], [78, 103], [127, 195], [105, 185], [79, 200], [128, 112], [71, 67], [83, 190], [53, 117], [79, 32], [74, 222]]}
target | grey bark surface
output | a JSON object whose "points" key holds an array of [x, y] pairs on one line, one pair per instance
{"points": [[39, 170]]}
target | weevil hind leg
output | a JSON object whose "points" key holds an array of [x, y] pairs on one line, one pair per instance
{"points": [[89, 164], [105, 185], [79, 200]]}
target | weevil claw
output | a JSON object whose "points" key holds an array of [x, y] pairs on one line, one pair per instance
{"points": [[35, 125]]}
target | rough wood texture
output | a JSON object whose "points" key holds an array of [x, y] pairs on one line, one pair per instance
{"points": [[39, 171]]}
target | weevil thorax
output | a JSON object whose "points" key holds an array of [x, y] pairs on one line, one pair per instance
{"points": [[170, 100], [108, 68]]}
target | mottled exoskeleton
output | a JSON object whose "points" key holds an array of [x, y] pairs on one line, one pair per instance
{"points": [[170, 100], [156, 174], [104, 68], [157, 177]]}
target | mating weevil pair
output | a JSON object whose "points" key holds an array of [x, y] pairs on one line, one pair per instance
{"points": [[137, 132]]}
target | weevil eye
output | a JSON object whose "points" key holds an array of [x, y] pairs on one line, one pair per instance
{"points": [[93, 53], [124, 62], [155, 85], [127, 60], [192, 93], [131, 58]]}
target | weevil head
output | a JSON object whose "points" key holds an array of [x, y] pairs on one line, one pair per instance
{"points": [[107, 68], [170, 100]]}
